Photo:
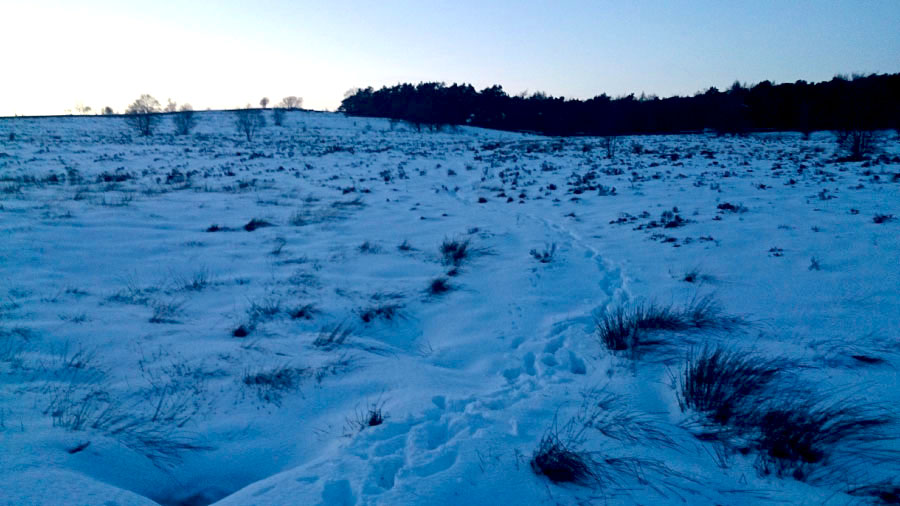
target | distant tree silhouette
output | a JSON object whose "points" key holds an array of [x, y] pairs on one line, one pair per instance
{"points": [[107, 111], [171, 106], [184, 120], [142, 114], [610, 143], [291, 103], [856, 144], [868, 102], [248, 121], [264, 102]]}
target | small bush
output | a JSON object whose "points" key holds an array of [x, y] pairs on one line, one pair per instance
{"points": [[249, 121], [671, 219], [184, 120], [143, 114], [856, 144]]}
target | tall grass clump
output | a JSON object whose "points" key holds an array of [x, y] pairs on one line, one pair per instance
{"points": [[795, 434], [632, 327], [723, 384]]}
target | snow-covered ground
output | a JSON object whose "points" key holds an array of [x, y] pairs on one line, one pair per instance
{"points": [[128, 280]]}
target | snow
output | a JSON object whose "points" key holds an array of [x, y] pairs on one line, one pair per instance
{"points": [[122, 382]]}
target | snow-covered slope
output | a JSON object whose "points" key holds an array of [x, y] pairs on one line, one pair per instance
{"points": [[154, 348]]}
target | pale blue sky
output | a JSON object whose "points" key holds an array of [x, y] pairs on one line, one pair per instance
{"points": [[56, 54]]}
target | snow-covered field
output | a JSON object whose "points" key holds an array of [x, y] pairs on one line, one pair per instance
{"points": [[152, 348]]}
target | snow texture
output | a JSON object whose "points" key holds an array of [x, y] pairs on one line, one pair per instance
{"points": [[155, 346]]}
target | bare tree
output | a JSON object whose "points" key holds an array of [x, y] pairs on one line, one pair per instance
{"points": [[291, 103], [143, 114], [857, 144], [610, 143], [171, 106], [184, 120], [248, 121], [264, 102]]}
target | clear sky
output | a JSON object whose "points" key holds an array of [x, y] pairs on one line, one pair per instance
{"points": [[56, 54]]}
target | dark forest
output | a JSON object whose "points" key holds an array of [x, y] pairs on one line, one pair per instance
{"points": [[858, 103]]}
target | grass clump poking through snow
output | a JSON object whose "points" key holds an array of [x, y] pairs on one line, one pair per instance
{"points": [[798, 433], [271, 385], [561, 458], [255, 223], [454, 252], [387, 311], [264, 309], [439, 286], [198, 281], [694, 275], [331, 339], [885, 492], [545, 256], [166, 311], [304, 312], [371, 416], [562, 461], [628, 328], [791, 429], [722, 384]]}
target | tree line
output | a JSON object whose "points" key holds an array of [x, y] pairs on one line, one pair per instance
{"points": [[861, 102], [145, 113]]}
